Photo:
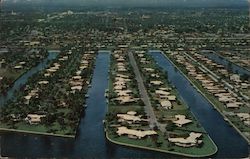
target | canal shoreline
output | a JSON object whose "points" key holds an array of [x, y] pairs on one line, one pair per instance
{"points": [[159, 150], [228, 60], [35, 133], [27, 70], [215, 107], [44, 133], [52, 55], [45, 60], [12, 83]]}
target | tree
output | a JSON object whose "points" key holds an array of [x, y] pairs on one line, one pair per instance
{"points": [[155, 128], [170, 126], [158, 143]]}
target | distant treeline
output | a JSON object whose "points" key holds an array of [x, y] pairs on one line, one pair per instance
{"points": [[54, 5]]}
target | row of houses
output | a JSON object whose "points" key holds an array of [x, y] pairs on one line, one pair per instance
{"points": [[212, 85], [77, 82], [48, 73], [124, 94], [132, 118], [209, 83], [232, 80], [163, 95], [34, 93]]}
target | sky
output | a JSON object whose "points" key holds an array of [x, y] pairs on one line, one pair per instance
{"points": [[136, 3]]}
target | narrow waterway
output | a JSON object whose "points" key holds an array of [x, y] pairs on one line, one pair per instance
{"points": [[227, 64], [229, 142], [90, 141], [23, 79]]}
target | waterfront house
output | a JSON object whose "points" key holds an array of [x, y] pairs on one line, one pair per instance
{"points": [[161, 92], [166, 104], [74, 88], [245, 118], [32, 93], [149, 69], [130, 117], [171, 98], [135, 133], [18, 67], [34, 118], [43, 82], [156, 83], [181, 120], [126, 99], [234, 105], [190, 141]]}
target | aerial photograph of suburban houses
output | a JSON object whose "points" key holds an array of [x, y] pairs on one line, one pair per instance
{"points": [[125, 79]]}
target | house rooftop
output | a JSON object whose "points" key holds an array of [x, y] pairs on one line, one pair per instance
{"points": [[181, 120], [190, 141], [166, 104], [137, 133]]}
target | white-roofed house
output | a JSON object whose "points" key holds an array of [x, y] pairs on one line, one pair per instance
{"points": [[181, 120]]}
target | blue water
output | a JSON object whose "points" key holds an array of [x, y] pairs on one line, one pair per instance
{"points": [[228, 140], [24, 78], [221, 60], [90, 141]]}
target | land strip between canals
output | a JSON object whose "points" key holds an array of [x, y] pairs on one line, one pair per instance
{"points": [[140, 113], [144, 95]]}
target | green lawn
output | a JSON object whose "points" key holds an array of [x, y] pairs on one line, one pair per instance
{"points": [[55, 127], [206, 149], [235, 120]]}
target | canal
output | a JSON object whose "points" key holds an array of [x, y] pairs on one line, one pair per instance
{"points": [[23, 79], [90, 141], [229, 142], [227, 64]]}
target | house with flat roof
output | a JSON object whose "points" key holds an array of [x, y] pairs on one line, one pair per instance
{"points": [[157, 83], [130, 117], [138, 134], [190, 141], [234, 104], [43, 82], [171, 98], [166, 104], [245, 118], [181, 120], [34, 118], [235, 78]]}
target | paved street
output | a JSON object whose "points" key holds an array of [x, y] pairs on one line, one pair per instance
{"points": [[144, 95]]}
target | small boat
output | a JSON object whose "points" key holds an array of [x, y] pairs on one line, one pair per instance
{"points": [[85, 106], [106, 94], [226, 119], [86, 95]]}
